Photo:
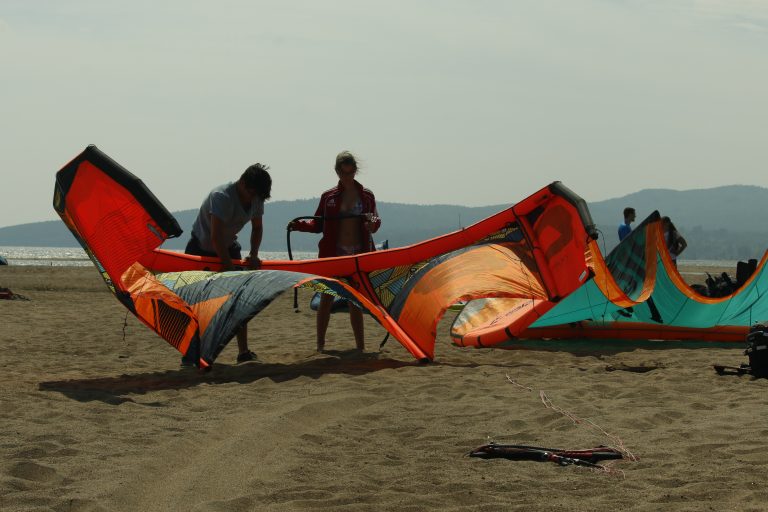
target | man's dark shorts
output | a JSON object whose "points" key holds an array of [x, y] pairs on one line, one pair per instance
{"points": [[193, 247]]}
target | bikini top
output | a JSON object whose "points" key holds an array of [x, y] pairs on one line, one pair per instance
{"points": [[356, 209]]}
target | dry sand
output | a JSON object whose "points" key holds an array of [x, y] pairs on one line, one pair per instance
{"points": [[92, 421]]}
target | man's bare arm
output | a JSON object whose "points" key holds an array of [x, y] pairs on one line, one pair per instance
{"points": [[257, 231], [217, 238]]}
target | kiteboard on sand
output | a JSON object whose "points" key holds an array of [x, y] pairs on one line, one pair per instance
{"points": [[587, 458], [744, 369]]}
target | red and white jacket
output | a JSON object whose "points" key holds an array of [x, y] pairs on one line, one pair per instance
{"points": [[330, 209]]}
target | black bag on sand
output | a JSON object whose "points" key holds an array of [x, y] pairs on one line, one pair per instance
{"points": [[757, 352], [757, 349], [744, 270], [720, 286]]}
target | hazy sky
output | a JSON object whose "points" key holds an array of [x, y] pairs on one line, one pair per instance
{"points": [[469, 102]]}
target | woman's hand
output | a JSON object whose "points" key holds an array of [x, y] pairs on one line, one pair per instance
{"points": [[370, 222]]}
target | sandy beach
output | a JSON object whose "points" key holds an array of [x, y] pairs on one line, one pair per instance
{"points": [[97, 415]]}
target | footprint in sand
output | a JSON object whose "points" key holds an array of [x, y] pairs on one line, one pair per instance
{"points": [[44, 449], [234, 505], [79, 505], [33, 472]]}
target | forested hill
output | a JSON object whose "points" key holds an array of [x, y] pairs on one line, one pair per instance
{"points": [[719, 223]]}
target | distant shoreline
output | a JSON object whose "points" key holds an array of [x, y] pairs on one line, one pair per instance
{"points": [[76, 257]]}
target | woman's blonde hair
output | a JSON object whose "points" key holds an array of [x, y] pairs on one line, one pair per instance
{"points": [[345, 157]]}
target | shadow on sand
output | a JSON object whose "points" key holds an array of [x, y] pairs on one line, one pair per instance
{"points": [[113, 390], [591, 348]]}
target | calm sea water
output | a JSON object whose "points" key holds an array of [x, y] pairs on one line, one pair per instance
{"points": [[76, 257]]}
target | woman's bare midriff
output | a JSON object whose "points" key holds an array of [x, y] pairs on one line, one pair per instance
{"points": [[349, 228], [349, 232]]}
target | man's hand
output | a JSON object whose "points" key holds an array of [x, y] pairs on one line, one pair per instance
{"points": [[254, 263]]}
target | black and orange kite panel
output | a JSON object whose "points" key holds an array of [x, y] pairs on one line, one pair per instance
{"points": [[534, 250]]}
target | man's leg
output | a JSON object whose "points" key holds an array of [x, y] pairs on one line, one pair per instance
{"points": [[243, 353], [655, 315], [188, 360], [193, 247], [242, 340]]}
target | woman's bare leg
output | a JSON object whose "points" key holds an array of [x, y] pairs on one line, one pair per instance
{"points": [[323, 317], [358, 328]]}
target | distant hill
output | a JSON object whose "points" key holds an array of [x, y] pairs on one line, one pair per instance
{"points": [[404, 224], [719, 223], [52, 233], [735, 207]]}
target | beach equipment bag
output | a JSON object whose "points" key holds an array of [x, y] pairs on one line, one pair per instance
{"points": [[757, 349], [744, 270], [720, 286]]}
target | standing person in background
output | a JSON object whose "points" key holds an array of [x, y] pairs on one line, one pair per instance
{"points": [[624, 230], [347, 217], [626, 227], [224, 212], [672, 237]]}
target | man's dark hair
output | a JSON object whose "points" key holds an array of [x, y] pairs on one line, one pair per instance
{"points": [[628, 212], [257, 178]]}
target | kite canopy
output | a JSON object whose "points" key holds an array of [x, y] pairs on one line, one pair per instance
{"points": [[636, 293], [533, 270], [533, 251], [682, 312]]}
